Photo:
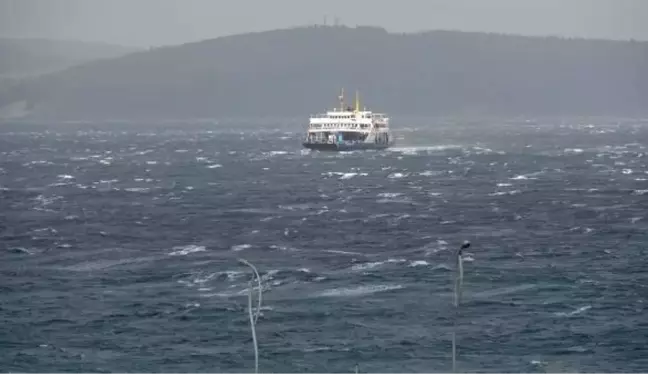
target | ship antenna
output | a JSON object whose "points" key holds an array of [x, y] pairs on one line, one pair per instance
{"points": [[341, 97]]}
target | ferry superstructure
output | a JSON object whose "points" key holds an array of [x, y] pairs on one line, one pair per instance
{"points": [[348, 129]]}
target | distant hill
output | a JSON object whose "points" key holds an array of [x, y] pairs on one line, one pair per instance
{"points": [[26, 57], [300, 71]]}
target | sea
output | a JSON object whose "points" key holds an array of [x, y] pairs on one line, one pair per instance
{"points": [[121, 248]]}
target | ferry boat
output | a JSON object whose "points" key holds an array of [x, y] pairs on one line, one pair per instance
{"points": [[348, 129]]}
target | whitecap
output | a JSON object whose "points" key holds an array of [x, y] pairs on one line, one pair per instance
{"points": [[389, 194], [60, 184], [343, 252], [137, 189], [397, 175], [430, 173], [240, 247], [366, 265], [359, 290], [351, 175], [284, 248], [574, 312], [39, 162], [187, 249], [502, 193]]}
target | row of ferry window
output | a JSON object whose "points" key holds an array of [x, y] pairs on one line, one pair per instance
{"points": [[348, 117], [330, 125]]}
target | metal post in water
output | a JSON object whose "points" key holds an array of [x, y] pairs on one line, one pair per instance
{"points": [[457, 300]]}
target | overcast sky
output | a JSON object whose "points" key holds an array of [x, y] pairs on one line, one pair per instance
{"points": [[157, 22]]}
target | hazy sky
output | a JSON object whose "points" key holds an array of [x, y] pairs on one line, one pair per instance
{"points": [[156, 22]]}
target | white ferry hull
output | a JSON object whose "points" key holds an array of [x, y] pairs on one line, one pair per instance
{"points": [[343, 147]]}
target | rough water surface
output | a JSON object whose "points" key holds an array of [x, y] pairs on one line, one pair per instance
{"points": [[119, 249]]}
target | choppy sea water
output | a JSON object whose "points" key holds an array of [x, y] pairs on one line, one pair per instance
{"points": [[119, 249]]}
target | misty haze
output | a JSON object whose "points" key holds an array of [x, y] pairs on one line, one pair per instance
{"points": [[292, 186]]}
